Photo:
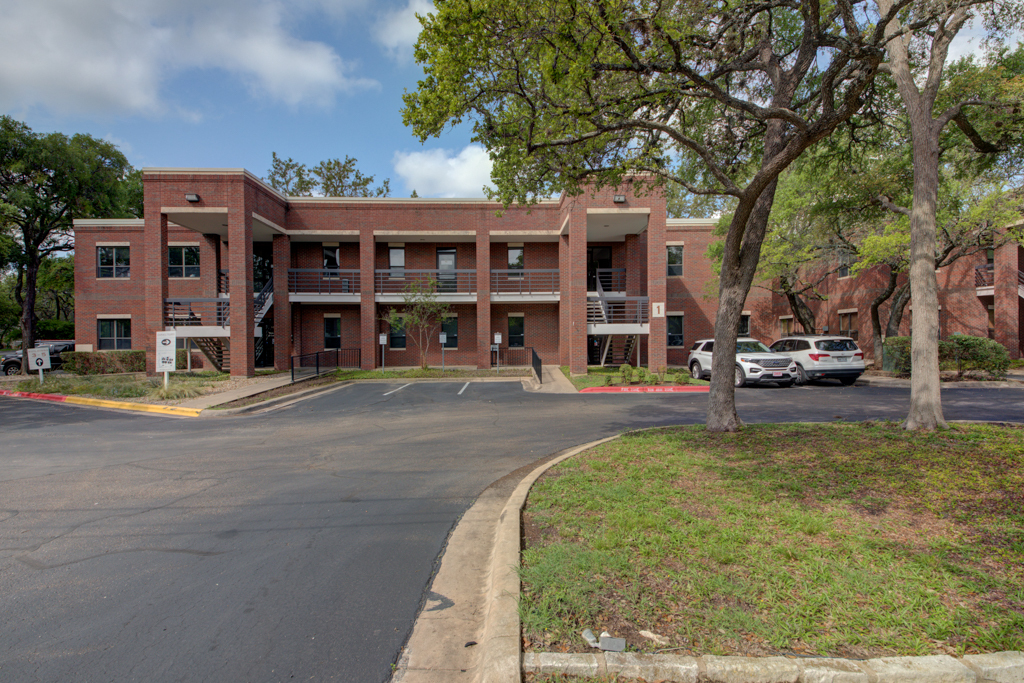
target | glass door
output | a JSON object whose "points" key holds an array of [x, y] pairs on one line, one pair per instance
{"points": [[447, 278]]}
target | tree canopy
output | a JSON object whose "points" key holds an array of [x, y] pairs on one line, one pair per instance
{"points": [[330, 178]]}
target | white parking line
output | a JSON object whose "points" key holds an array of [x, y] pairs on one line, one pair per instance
{"points": [[463, 388], [398, 389]]}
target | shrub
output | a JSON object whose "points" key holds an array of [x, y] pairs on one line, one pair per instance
{"points": [[641, 374], [627, 373], [55, 329], [975, 353], [653, 379], [103, 362], [662, 372], [896, 355]]}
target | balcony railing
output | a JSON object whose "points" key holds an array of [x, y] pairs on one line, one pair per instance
{"points": [[223, 282], [984, 276], [612, 279], [535, 281], [396, 280], [322, 281], [197, 312], [621, 310]]}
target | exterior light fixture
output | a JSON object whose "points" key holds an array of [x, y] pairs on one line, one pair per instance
{"points": [[192, 197], [619, 199]]}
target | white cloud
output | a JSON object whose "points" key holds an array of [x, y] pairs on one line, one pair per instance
{"points": [[398, 30], [114, 55], [439, 173]]}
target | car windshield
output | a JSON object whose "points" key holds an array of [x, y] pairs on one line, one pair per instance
{"points": [[752, 347], [836, 345]]}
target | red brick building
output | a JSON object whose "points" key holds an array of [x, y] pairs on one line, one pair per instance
{"points": [[252, 276]]}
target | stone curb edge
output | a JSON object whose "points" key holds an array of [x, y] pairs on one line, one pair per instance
{"points": [[997, 667], [500, 660], [646, 390], [101, 403]]}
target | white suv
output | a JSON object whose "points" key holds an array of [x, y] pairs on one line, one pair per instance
{"points": [[755, 363], [821, 356]]}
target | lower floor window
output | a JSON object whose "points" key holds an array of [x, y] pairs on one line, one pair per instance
{"points": [[675, 330], [848, 325], [397, 337], [115, 335], [744, 329], [516, 332], [450, 327], [785, 327], [332, 333]]}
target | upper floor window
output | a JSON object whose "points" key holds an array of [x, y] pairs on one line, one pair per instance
{"points": [[331, 258], [183, 262], [113, 261], [675, 260], [515, 260], [845, 260], [396, 262]]}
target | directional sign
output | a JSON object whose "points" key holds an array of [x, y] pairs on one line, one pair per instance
{"points": [[39, 359], [166, 354]]}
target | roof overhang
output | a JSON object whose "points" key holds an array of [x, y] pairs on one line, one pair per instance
{"points": [[612, 225]]}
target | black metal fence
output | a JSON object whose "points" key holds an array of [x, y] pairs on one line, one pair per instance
{"points": [[315, 364], [538, 369], [521, 357]]}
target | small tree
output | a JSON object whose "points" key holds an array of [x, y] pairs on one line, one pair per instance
{"points": [[421, 315]]}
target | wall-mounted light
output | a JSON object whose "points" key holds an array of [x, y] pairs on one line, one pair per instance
{"points": [[191, 197], [619, 199]]}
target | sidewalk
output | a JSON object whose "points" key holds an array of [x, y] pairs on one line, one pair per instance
{"points": [[211, 400], [554, 382]]}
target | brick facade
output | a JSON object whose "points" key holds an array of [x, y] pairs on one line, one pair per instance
{"points": [[230, 210]]}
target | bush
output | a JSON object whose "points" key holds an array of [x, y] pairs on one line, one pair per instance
{"points": [[896, 355], [641, 374], [55, 329], [653, 379], [103, 362], [975, 353], [627, 373]]}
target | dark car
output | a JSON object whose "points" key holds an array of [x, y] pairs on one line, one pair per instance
{"points": [[10, 363]]}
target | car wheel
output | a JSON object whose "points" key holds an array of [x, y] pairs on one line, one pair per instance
{"points": [[741, 379], [785, 384], [847, 381], [801, 376], [695, 371], [12, 369]]}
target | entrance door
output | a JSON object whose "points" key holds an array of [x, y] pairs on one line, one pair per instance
{"points": [[447, 278], [597, 257], [594, 342]]}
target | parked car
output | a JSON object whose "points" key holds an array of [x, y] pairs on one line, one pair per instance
{"points": [[755, 363], [823, 356], [10, 363]]}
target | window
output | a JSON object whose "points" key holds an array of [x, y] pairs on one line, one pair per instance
{"points": [[183, 262], [675, 330], [845, 260], [744, 328], [515, 261], [848, 324], [675, 260], [397, 337], [332, 333], [516, 332], [447, 278], [115, 334], [332, 259], [113, 261], [785, 327], [450, 326], [396, 262]]}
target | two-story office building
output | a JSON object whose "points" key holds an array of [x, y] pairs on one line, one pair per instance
{"points": [[256, 278]]}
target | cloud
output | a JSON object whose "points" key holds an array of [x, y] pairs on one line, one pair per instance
{"points": [[113, 56], [439, 173], [398, 30]]}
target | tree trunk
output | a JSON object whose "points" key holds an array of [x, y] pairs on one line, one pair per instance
{"points": [[804, 314], [28, 309], [925, 389], [899, 304], [876, 322]]}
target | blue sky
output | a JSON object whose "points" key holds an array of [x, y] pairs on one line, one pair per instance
{"points": [[223, 83]]}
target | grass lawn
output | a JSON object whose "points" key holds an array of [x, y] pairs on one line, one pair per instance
{"points": [[850, 540], [598, 376], [432, 373], [182, 385]]}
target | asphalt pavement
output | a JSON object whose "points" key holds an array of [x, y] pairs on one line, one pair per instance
{"points": [[295, 544]]}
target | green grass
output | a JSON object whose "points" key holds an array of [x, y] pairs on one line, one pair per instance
{"points": [[845, 540], [182, 385], [431, 373], [598, 376]]}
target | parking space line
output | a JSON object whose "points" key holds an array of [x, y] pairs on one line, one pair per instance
{"points": [[398, 389], [463, 388]]}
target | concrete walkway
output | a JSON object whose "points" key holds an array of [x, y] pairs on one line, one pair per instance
{"points": [[554, 382], [210, 400]]}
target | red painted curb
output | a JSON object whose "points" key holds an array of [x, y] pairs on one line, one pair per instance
{"points": [[644, 390], [27, 394]]}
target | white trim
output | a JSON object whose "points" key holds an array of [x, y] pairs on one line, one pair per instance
{"points": [[424, 233], [668, 313], [332, 315], [194, 209], [111, 222], [516, 315], [113, 316], [527, 233], [113, 244], [182, 279], [602, 211], [709, 222], [564, 229], [396, 244], [331, 244], [842, 311], [85, 348], [675, 243], [451, 315], [183, 244], [299, 233], [745, 313], [516, 245], [269, 223], [785, 317]]}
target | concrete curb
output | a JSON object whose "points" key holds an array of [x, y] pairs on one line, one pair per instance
{"points": [[647, 390], [899, 383], [272, 403], [176, 411]]}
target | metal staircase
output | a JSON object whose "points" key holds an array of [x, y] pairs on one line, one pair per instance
{"points": [[618, 349], [218, 349]]}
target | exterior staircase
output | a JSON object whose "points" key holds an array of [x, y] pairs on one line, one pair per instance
{"points": [[218, 349], [618, 349]]}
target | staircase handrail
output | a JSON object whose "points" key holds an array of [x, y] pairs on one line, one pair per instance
{"points": [[260, 299]]}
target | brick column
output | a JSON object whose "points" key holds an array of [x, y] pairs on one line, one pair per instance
{"points": [[151, 262], [243, 344], [370, 349], [483, 299], [282, 307], [577, 287], [564, 302], [1007, 308], [657, 349]]}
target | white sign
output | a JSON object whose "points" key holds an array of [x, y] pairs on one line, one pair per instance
{"points": [[384, 339], [39, 359], [497, 337], [166, 354], [658, 310], [443, 337]]}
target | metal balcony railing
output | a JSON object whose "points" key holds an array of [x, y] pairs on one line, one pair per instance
{"points": [[396, 280], [619, 310], [323, 281], [534, 281], [197, 312], [984, 276], [223, 282], [612, 279]]}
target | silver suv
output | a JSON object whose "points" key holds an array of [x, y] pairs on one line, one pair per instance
{"points": [[755, 363], [823, 356]]}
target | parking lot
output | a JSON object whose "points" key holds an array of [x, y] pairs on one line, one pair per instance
{"points": [[295, 543]]}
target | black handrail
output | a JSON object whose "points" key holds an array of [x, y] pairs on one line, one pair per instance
{"points": [[538, 369]]}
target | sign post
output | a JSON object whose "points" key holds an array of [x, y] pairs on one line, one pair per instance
{"points": [[39, 359], [496, 347], [443, 338], [383, 342], [166, 355]]}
